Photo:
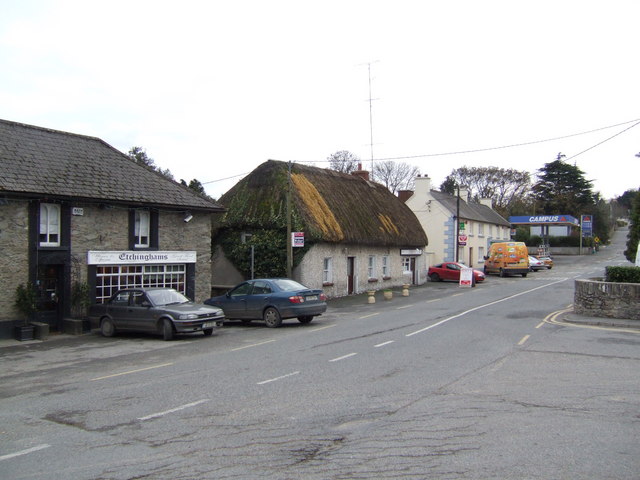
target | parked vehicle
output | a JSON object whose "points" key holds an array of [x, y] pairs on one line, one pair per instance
{"points": [[271, 300], [548, 262], [535, 264], [507, 258], [163, 311], [451, 271]]}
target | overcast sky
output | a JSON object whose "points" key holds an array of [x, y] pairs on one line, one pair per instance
{"points": [[211, 89]]}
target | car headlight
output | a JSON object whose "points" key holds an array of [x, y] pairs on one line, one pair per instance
{"points": [[188, 316]]}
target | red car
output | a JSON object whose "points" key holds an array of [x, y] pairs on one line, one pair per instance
{"points": [[451, 271]]}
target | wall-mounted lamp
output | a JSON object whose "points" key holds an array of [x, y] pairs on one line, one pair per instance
{"points": [[187, 218]]}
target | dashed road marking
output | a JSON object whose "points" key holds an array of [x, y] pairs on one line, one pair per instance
{"points": [[24, 452], [131, 371], [278, 378], [173, 410], [343, 357]]}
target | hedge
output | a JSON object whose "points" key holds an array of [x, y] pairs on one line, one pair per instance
{"points": [[622, 274]]}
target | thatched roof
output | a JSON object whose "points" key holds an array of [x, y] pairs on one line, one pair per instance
{"points": [[329, 206]]}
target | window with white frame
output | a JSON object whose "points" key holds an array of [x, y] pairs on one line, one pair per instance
{"points": [[371, 270], [49, 233], [111, 278], [491, 230], [470, 229], [142, 228], [480, 254], [406, 265], [481, 229], [386, 272], [327, 270]]}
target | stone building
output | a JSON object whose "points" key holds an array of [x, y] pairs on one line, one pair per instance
{"points": [[78, 215], [357, 235], [437, 212]]}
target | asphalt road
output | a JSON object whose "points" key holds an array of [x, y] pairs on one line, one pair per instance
{"points": [[448, 383]]}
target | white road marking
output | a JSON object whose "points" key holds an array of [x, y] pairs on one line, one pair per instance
{"points": [[405, 306], [131, 371], [479, 307], [384, 343], [173, 410], [24, 452], [370, 315], [343, 357], [278, 378], [323, 327], [252, 345]]}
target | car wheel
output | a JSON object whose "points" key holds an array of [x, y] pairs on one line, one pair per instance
{"points": [[272, 317], [167, 329], [524, 275], [207, 332], [305, 319], [502, 274], [434, 277], [107, 328]]}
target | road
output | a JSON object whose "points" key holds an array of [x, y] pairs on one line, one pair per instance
{"points": [[448, 383]]}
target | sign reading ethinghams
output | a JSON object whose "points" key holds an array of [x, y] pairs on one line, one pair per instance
{"points": [[130, 257]]}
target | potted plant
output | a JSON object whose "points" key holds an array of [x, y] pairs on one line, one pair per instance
{"points": [[388, 294], [80, 302], [26, 304]]}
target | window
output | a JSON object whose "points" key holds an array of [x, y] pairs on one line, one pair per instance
{"points": [[480, 254], [406, 265], [371, 270], [385, 267], [470, 229], [491, 230], [142, 228], [49, 233], [327, 271], [481, 229], [111, 278]]}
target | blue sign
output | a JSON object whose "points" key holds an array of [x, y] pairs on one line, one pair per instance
{"points": [[587, 225], [544, 220]]}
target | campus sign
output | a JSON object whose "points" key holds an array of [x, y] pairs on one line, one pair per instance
{"points": [[544, 220]]}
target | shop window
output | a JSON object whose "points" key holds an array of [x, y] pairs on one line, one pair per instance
{"points": [[49, 232]]}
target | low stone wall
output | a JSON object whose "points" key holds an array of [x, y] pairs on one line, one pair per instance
{"points": [[596, 298]]}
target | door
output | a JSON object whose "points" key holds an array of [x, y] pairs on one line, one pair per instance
{"points": [[49, 289], [351, 263]]}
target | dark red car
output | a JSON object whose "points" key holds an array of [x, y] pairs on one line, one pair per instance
{"points": [[451, 271]]}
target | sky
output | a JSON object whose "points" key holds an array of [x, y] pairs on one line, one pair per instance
{"points": [[212, 89]]}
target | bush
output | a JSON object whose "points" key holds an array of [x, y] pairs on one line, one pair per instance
{"points": [[622, 274], [573, 241]]}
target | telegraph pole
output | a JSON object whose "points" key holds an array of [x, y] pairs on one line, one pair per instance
{"points": [[368, 64], [289, 243]]}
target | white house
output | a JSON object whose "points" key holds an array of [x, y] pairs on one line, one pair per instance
{"points": [[437, 212]]}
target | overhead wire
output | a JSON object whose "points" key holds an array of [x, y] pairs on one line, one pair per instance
{"points": [[487, 149]]}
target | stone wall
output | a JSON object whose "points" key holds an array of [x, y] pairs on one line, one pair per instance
{"points": [[14, 238], [596, 298]]}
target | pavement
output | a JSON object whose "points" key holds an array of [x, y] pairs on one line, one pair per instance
{"points": [[357, 302]]}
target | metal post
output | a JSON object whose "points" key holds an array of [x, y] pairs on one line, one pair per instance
{"points": [[457, 226]]}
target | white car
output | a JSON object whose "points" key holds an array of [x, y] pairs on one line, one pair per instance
{"points": [[535, 264]]}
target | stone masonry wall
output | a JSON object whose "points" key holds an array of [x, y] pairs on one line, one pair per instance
{"points": [[607, 299], [14, 238]]}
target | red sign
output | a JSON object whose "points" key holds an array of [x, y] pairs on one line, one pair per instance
{"points": [[462, 240], [297, 239]]}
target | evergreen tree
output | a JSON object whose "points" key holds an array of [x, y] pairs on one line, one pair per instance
{"points": [[562, 189], [634, 230]]}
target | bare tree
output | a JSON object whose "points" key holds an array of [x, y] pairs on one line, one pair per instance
{"points": [[343, 161], [504, 186], [395, 176]]}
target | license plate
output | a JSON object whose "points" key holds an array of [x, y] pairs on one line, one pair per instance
{"points": [[312, 297], [208, 324]]}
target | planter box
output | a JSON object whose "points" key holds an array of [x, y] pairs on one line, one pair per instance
{"points": [[40, 330], [23, 332]]}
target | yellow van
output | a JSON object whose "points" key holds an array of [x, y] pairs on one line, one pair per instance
{"points": [[507, 258]]}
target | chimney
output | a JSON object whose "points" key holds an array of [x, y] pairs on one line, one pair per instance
{"points": [[423, 184], [464, 193], [404, 195], [488, 202], [364, 174]]}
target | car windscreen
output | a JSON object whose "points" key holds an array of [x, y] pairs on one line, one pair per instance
{"points": [[286, 285], [166, 297]]}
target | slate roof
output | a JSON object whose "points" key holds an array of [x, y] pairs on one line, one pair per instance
{"points": [[470, 211], [332, 206], [36, 161]]}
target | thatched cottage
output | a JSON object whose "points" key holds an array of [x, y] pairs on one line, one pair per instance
{"points": [[358, 236]]}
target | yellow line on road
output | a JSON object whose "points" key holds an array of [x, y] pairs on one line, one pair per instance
{"points": [[131, 371], [524, 339], [406, 306], [540, 324], [323, 328]]}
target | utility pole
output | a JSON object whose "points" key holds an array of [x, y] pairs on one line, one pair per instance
{"points": [[289, 243], [457, 224], [370, 114]]}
